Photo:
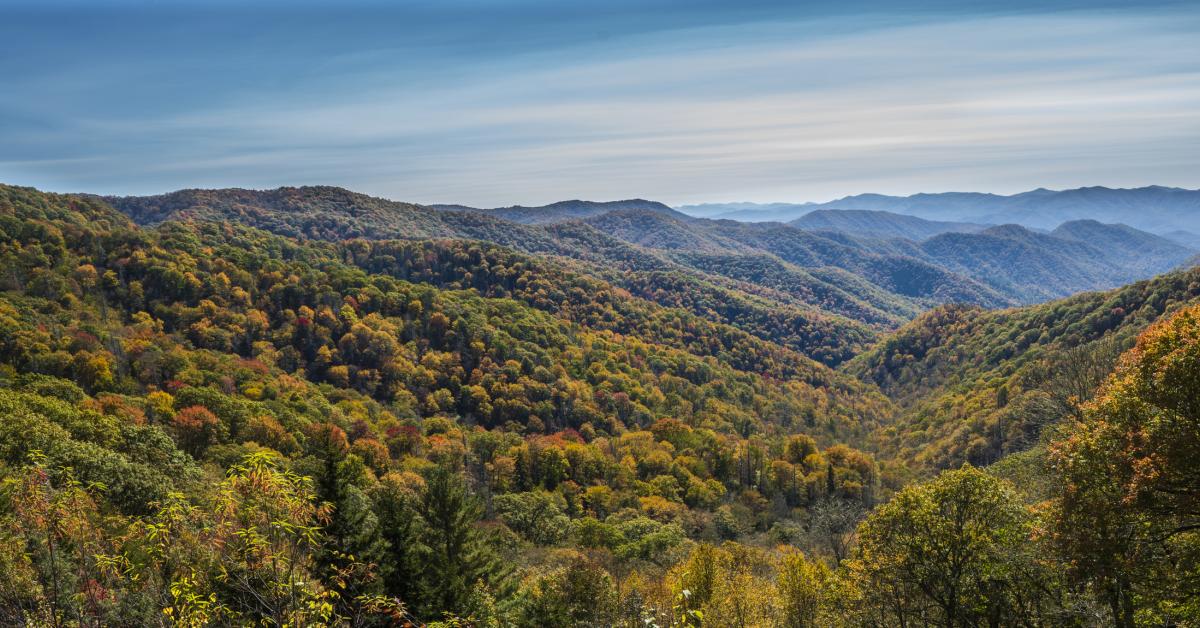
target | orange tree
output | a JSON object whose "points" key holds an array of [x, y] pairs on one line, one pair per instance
{"points": [[1128, 515]]}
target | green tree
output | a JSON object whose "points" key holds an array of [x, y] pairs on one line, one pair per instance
{"points": [[396, 506], [269, 527], [579, 594], [457, 558], [353, 548], [58, 579], [956, 551], [535, 515], [801, 588]]}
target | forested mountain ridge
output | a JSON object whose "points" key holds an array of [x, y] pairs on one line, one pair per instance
{"points": [[1075, 257], [909, 279], [1001, 266], [563, 211], [325, 213], [218, 424], [155, 361], [335, 214], [975, 384], [493, 272], [879, 224], [1184, 238], [1133, 244], [652, 254]]}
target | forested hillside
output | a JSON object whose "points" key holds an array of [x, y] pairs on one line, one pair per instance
{"points": [[564, 211], [152, 362], [879, 224], [310, 407], [1077, 256], [835, 281], [975, 384]]}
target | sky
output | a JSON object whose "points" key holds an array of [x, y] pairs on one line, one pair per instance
{"points": [[491, 103]]}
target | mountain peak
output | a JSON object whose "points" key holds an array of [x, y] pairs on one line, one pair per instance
{"points": [[1009, 230], [562, 211], [878, 224]]}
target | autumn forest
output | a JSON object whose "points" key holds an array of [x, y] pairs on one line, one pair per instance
{"points": [[310, 407]]}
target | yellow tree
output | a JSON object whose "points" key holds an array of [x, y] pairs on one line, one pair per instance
{"points": [[801, 588]]}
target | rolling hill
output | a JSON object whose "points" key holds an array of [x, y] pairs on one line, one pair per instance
{"points": [[835, 280], [1078, 256], [1184, 238], [563, 211], [333, 214], [735, 290], [1002, 265], [749, 212], [901, 275], [879, 224], [946, 368]]}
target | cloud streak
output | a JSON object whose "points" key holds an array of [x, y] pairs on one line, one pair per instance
{"points": [[765, 110]]}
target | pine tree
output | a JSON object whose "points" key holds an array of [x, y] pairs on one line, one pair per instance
{"points": [[457, 558], [402, 529], [355, 550]]}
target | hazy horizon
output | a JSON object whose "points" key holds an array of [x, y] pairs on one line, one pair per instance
{"points": [[678, 206]]}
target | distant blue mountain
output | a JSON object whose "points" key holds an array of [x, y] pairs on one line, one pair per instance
{"points": [[1186, 238], [880, 224], [563, 211], [1155, 208]]}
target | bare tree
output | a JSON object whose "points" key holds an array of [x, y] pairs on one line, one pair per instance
{"points": [[832, 523], [1071, 376]]}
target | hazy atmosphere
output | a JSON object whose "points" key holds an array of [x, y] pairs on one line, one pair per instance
{"points": [[490, 103]]}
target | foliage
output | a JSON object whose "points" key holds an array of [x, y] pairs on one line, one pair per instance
{"points": [[211, 424], [947, 369], [1128, 509], [956, 551]]}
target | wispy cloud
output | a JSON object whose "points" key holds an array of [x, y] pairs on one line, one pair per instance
{"points": [[779, 110]]}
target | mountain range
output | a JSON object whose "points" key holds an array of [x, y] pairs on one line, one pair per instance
{"points": [[836, 269], [1153, 208], [219, 391], [829, 287]]}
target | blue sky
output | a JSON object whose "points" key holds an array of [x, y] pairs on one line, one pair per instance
{"points": [[494, 103]]}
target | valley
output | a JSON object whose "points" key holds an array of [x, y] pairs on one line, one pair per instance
{"points": [[609, 396]]}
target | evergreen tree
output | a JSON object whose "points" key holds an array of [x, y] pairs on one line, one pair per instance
{"points": [[355, 550], [457, 558], [401, 527]]}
